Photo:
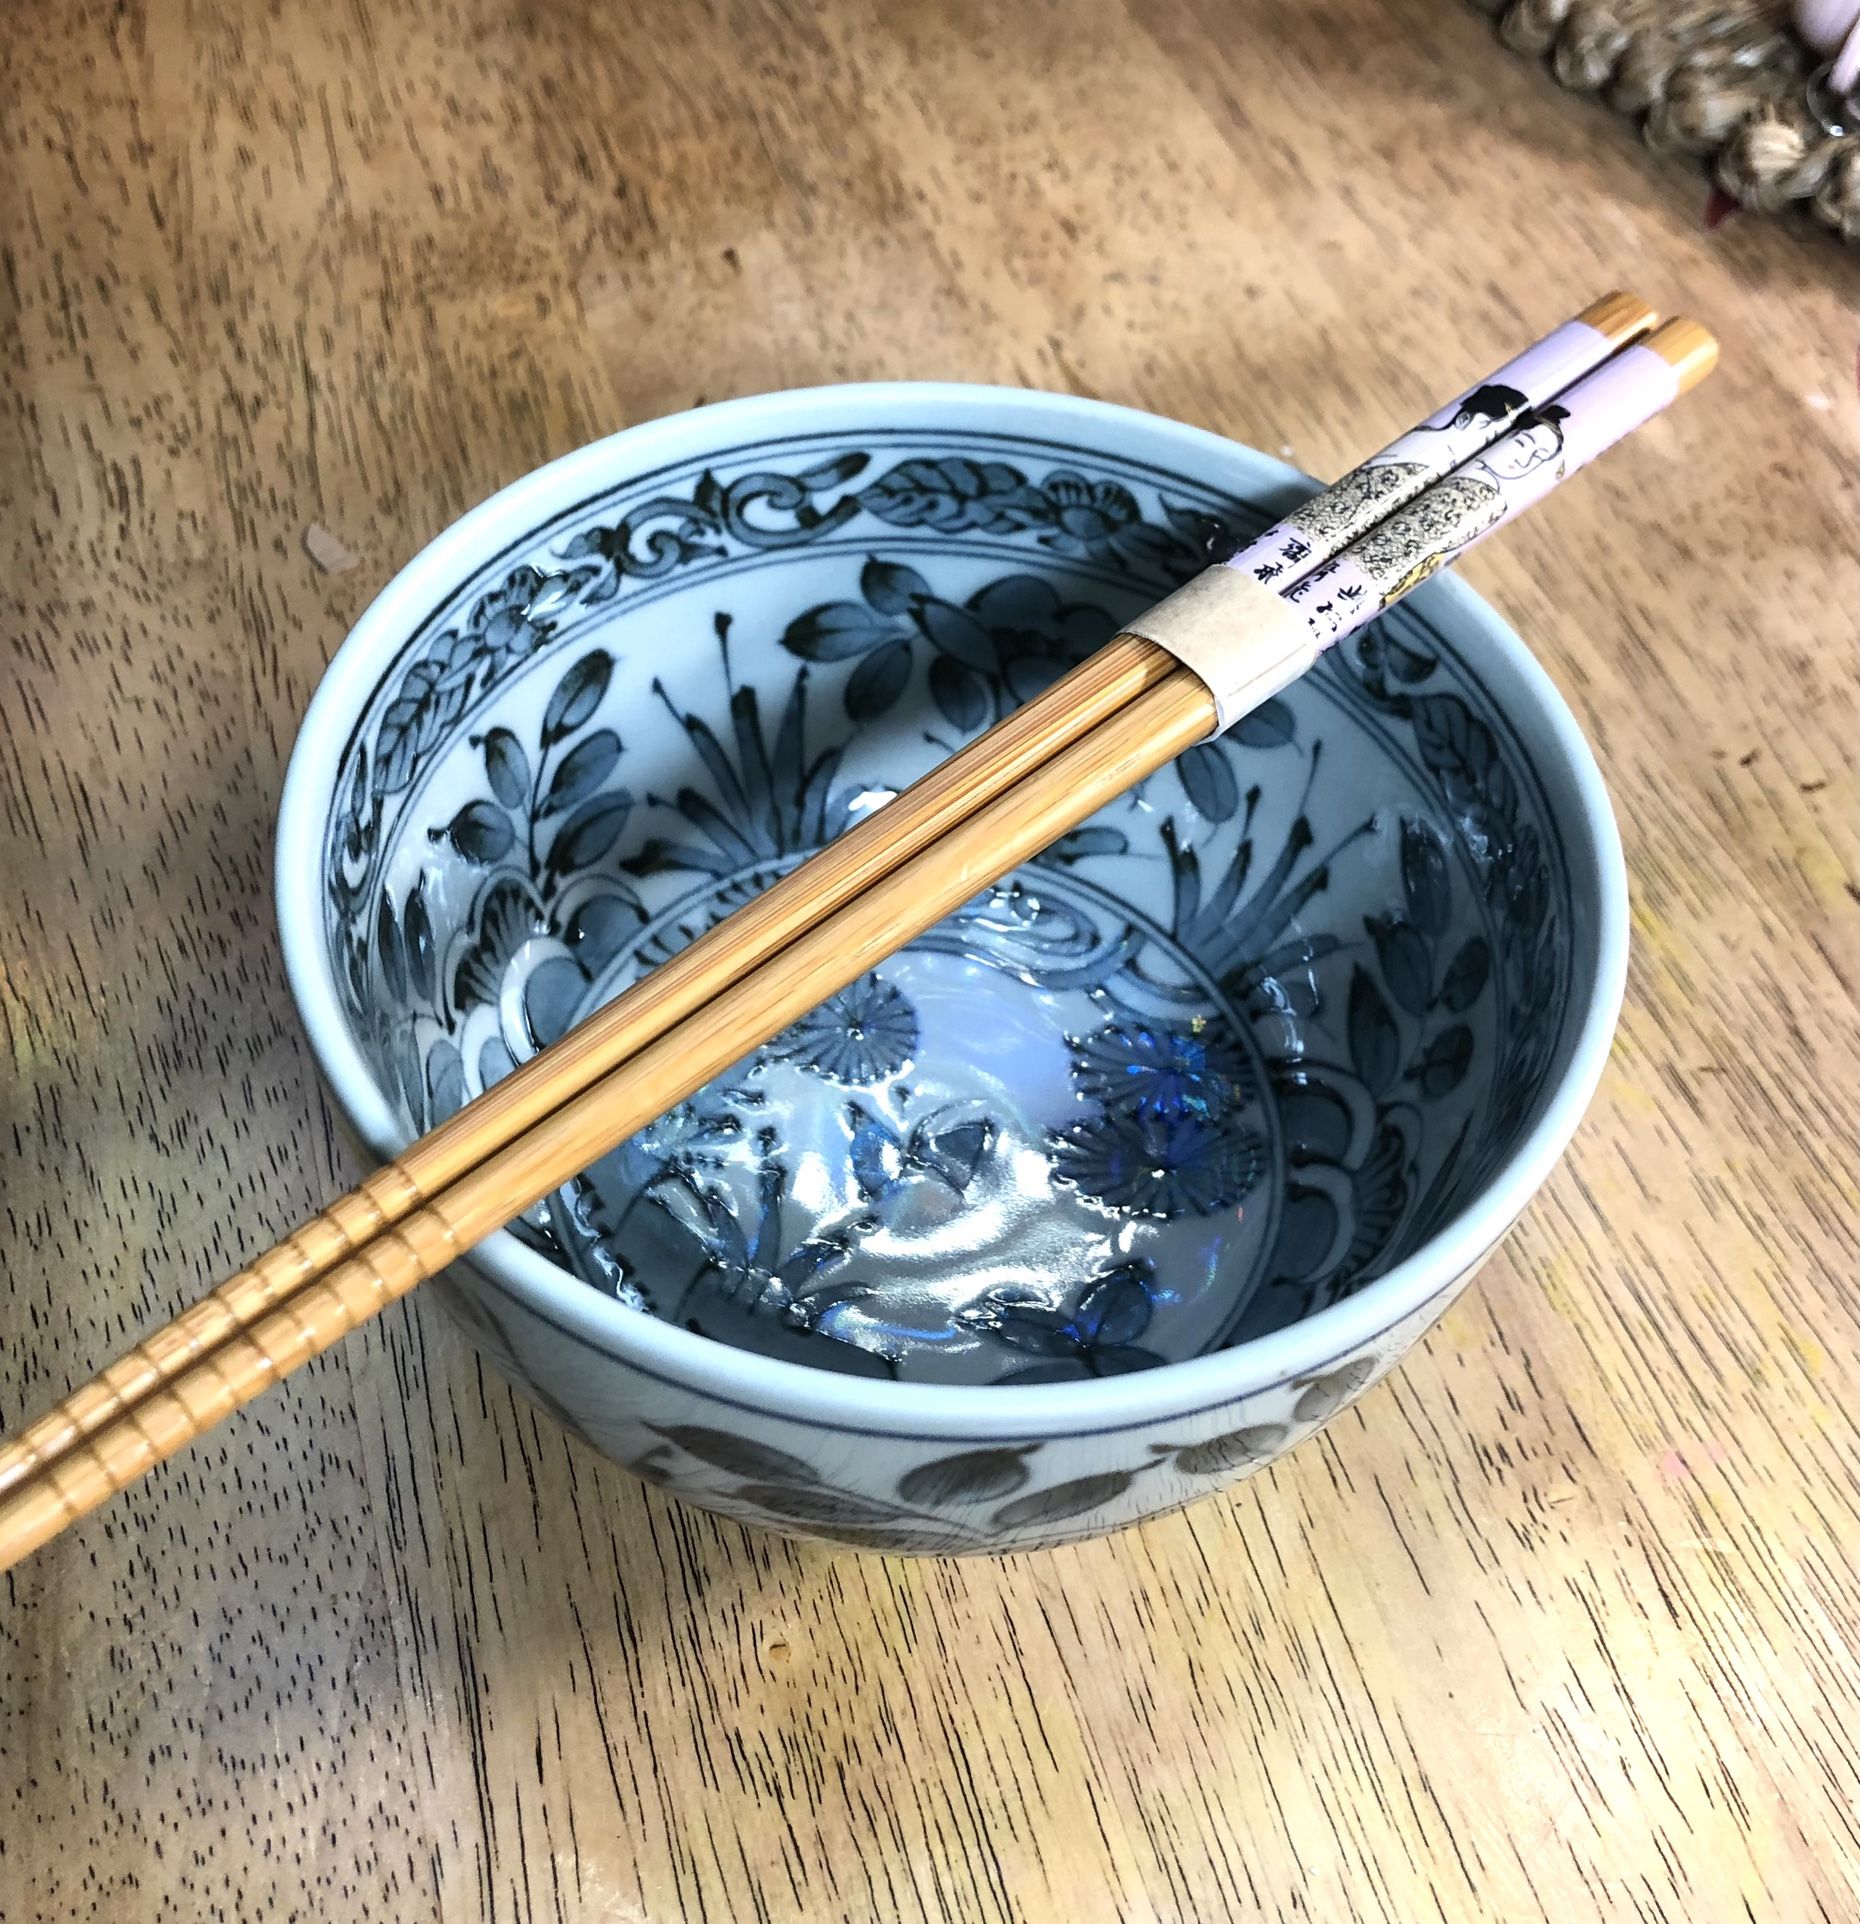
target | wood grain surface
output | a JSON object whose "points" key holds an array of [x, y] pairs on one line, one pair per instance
{"points": [[1559, 1624]]}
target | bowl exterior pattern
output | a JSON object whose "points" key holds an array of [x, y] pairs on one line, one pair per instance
{"points": [[485, 870], [985, 1492]]}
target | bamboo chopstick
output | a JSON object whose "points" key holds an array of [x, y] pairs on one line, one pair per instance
{"points": [[1170, 712], [1311, 535], [1170, 716], [1106, 682]]}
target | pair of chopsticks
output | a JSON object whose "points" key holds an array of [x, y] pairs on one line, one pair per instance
{"points": [[1338, 560]]}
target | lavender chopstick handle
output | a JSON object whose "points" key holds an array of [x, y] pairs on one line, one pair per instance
{"points": [[1326, 524], [1548, 444]]}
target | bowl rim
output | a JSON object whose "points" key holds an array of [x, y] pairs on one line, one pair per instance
{"points": [[781, 1390]]}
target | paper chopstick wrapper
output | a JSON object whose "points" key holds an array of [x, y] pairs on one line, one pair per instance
{"points": [[1243, 640]]}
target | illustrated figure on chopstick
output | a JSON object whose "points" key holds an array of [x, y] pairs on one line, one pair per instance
{"points": [[1402, 551], [1377, 483], [1411, 545]]}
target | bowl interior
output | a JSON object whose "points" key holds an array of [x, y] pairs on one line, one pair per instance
{"points": [[1219, 1057]]}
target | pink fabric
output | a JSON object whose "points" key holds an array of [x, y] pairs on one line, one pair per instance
{"points": [[1833, 27], [1846, 68]]}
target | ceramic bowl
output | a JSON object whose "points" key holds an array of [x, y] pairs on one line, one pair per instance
{"points": [[1113, 1188]]}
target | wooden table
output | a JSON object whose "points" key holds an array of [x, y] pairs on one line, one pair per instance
{"points": [[1558, 1625]]}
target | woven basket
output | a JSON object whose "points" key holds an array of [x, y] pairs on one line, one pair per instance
{"points": [[1729, 81]]}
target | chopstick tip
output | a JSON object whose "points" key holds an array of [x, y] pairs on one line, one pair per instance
{"points": [[1620, 317], [1689, 349]]}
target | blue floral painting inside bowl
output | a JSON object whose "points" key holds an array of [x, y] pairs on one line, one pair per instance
{"points": [[1210, 1064]]}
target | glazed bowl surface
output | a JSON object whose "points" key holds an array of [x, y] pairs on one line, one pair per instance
{"points": [[1128, 1175]]}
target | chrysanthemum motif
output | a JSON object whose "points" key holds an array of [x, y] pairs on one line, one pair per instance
{"points": [[505, 917], [1139, 1069], [860, 1036], [1155, 1165]]}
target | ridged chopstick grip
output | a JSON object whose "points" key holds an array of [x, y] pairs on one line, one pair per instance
{"points": [[1125, 747], [1109, 680]]}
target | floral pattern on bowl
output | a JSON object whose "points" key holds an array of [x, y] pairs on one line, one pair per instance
{"points": [[1211, 1065]]}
